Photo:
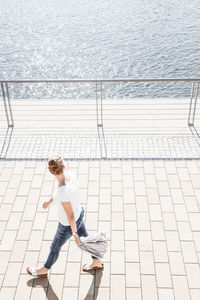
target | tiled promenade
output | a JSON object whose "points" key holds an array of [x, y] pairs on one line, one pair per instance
{"points": [[150, 209]]}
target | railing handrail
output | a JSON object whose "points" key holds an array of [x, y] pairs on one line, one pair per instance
{"points": [[102, 80]]}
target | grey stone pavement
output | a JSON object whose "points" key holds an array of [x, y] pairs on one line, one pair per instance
{"points": [[149, 207]]}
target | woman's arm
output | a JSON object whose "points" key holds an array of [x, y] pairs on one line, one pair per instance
{"points": [[70, 215]]}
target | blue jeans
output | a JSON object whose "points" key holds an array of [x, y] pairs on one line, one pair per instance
{"points": [[63, 233]]}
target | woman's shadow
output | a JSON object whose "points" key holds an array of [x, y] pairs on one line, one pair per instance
{"points": [[43, 282], [50, 294]]}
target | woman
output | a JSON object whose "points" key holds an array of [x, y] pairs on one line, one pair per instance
{"points": [[70, 216]]}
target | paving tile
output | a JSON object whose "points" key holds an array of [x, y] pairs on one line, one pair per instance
{"points": [[18, 251], [129, 212], [35, 240], [194, 220], [196, 235], [163, 188], [180, 212], [133, 280], [150, 181], [50, 230], [29, 212], [117, 221], [185, 232], [93, 188], [3, 187], [104, 212], [2, 228], [105, 181], [138, 174], [174, 181], [7, 293], [141, 204], [160, 251], [170, 167], [70, 293], [117, 240], [176, 263], [173, 242], [128, 196], [10, 196], [181, 290], [155, 212], [143, 221], [147, 262], [92, 204], [183, 174], [92, 221], [189, 252], [105, 196], [127, 181], [169, 221], [24, 230], [24, 188], [161, 174], [19, 204], [149, 290], [14, 221], [163, 275], [193, 275], [5, 211], [131, 251], [72, 274], [117, 288], [187, 188], [131, 230], [145, 240], [116, 188], [166, 204], [39, 221], [191, 204], [5, 256], [12, 275], [133, 293], [93, 174], [177, 195], [102, 278], [158, 233], [153, 196], [117, 262], [195, 294], [140, 188], [165, 294], [8, 240], [127, 167], [117, 204]]}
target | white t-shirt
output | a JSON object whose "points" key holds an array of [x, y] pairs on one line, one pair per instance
{"points": [[68, 193]]}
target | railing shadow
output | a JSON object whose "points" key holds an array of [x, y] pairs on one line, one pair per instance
{"points": [[6, 142], [195, 134]]}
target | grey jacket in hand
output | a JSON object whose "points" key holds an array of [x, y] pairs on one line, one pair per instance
{"points": [[95, 244]]}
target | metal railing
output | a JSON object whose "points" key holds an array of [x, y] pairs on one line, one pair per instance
{"points": [[99, 106]]}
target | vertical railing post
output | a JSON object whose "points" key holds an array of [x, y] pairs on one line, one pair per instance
{"points": [[193, 103], [7, 105], [99, 118]]}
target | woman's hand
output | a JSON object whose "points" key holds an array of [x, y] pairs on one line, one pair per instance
{"points": [[45, 204], [78, 243]]}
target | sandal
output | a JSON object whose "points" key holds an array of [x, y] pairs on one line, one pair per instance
{"points": [[88, 268], [31, 271]]}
